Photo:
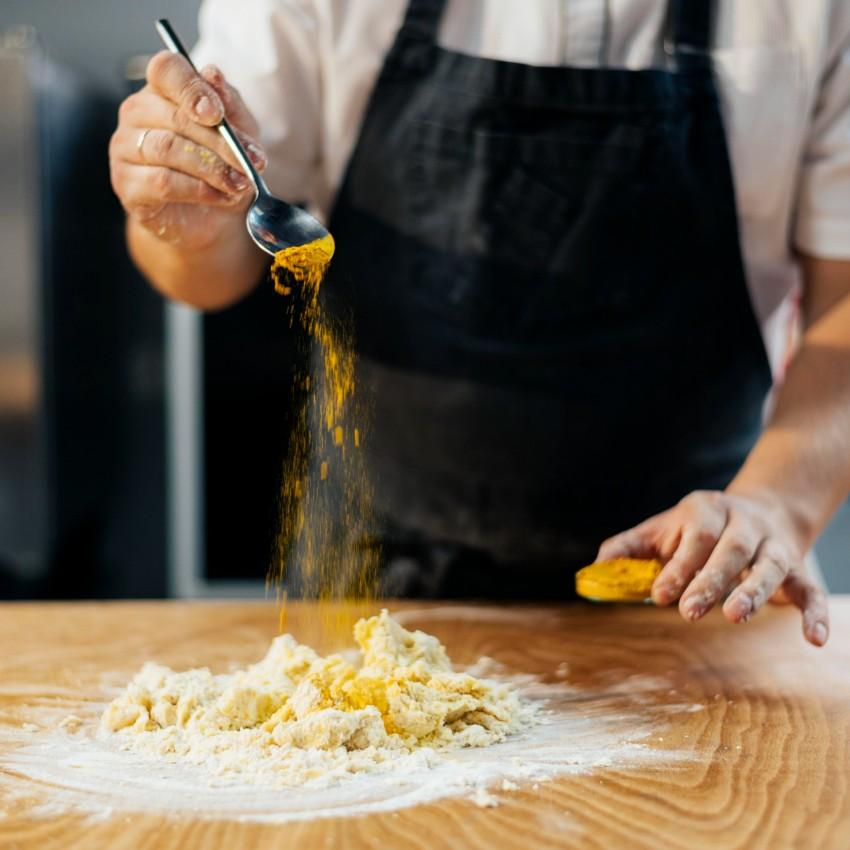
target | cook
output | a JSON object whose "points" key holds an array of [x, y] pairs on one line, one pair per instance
{"points": [[572, 236]]}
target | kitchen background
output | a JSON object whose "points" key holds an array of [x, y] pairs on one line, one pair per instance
{"points": [[134, 435]]}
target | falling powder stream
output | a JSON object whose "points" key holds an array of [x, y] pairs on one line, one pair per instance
{"points": [[325, 547]]}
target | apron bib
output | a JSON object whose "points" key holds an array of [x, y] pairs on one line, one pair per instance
{"points": [[549, 299]]}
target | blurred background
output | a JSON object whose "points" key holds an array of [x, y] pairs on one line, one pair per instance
{"points": [[134, 435]]}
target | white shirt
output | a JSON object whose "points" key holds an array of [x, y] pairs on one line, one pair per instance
{"points": [[306, 69]]}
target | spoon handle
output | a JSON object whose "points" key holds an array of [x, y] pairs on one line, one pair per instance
{"points": [[172, 41]]}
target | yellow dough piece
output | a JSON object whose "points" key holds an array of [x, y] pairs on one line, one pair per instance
{"points": [[618, 580]]}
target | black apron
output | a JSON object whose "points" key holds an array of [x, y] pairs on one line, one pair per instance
{"points": [[546, 281]]}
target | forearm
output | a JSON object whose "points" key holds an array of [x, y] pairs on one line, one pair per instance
{"points": [[802, 460], [208, 277]]}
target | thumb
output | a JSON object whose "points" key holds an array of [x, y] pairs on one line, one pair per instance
{"points": [[637, 542]]}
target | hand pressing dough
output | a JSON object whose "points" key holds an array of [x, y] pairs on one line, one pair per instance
{"points": [[403, 698]]}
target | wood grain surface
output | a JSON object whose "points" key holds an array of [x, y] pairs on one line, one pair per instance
{"points": [[771, 749]]}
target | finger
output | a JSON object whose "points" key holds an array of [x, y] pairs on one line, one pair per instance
{"points": [[238, 113], [148, 110], [168, 149], [697, 542], [174, 78], [780, 597], [811, 599], [148, 186], [769, 570], [637, 542], [733, 553]]}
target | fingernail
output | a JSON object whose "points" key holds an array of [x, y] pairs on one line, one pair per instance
{"points": [[257, 155], [664, 592], [204, 109], [237, 180], [819, 633], [693, 609], [742, 606]]}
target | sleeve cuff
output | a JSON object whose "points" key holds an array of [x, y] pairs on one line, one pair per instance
{"points": [[824, 237]]}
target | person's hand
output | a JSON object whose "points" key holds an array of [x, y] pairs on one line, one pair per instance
{"points": [[714, 542], [170, 167]]}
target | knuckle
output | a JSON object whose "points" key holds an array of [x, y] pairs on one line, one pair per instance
{"points": [[162, 182], [179, 120], [775, 568], [162, 145], [192, 90], [114, 141], [611, 541], [738, 547], [221, 171], [705, 536], [702, 535], [147, 214], [126, 109], [159, 66]]}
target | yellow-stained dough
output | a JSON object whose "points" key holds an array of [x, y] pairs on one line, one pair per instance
{"points": [[405, 696]]}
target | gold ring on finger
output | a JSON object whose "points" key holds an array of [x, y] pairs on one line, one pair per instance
{"points": [[141, 143]]}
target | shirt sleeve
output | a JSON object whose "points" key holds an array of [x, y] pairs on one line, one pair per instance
{"points": [[268, 50], [823, 209]]}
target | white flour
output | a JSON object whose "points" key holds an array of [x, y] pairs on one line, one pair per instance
{"points": [[300, 719], [559, 730]]}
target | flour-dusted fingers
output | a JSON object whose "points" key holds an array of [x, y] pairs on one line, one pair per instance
{"points": [[699, 521], [146, 110], [161, 147], [810, 598], [734, 552], [177, 81], [148, 187], [770, 567]]}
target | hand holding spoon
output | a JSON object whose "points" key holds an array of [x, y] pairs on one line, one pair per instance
{"points": [[273, 224]]}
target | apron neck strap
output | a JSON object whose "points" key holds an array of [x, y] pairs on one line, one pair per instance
{"points": [[690, 25], [423, 19]]}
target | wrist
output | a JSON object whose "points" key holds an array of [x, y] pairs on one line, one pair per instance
{"points": [[208, 274]]}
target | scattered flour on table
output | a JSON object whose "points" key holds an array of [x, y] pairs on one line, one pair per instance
{"points": [[298, 736]]}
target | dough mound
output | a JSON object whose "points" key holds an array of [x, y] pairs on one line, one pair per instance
{"points": [[402, 698]]}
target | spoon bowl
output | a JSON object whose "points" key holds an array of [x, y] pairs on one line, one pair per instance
{"points": [[272, 223]]}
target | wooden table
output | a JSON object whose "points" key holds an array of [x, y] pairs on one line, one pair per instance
{"points": [[771, 765]]}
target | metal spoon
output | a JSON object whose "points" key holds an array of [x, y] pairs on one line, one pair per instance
{"points": [[273, 224]]}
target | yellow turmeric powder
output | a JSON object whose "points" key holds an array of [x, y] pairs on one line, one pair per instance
{"points": [[620, 579], [325, 547]]}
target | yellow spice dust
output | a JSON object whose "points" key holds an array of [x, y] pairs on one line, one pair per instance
{"points": [[325, 548], [620, 579]]}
